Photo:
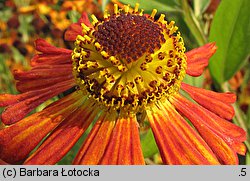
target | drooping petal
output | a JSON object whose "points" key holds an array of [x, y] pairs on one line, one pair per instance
{"points": [[63, 138], [18, 140], [218, 103], [95, 144], [29, 85], [50, 54], [26, 102], [42, 77], [124, 145], [197, 59], [215, 122], [222, 136], [76, 29], [43, 72], [177, 141]]}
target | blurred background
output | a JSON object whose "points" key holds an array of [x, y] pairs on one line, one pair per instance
{"points": [[225, 22]]}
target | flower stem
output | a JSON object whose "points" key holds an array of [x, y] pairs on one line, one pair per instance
{"points": [[193, 23]]}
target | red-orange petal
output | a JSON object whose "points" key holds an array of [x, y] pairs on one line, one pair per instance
{"points": [[222, 136], [63, 138], [112, 141], [177, 141], [197, 59], [218, 103], [95, 144], [124, 145], [26, 102], [43, 72], [76, 29], [215, 122], [18, 140], [36, 84], [9, 99], [50, 54], [3, 162]]}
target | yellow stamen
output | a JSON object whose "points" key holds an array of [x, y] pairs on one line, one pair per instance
{"points": [[141, 13], [95, 20], [115, 8], [106, 14], [86, 28], [161, 19], [104, 54], [153, 13], [136, 7], [126, 8]]}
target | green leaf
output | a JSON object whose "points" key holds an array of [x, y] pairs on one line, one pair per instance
{"points": [[160, 5], [149, 147], [248, 158], [230, 30]]}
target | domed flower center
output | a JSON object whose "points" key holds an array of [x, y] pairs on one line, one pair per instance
{"points": [[129, 60], [129, 36]]}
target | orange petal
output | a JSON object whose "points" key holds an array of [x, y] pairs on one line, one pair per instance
{"points": [[26, 102], [218, 103], [18, 140], [50, 54], [215, 122], [43, 72], [197, 59], [76, 29], [112, 141], [43, 46], [95, 144], [177, 141], [124, 145], [9, 99], [72, 32], [221, 135], [30, 85], [239, 147], [42, 76], [3, 162], [63, 138]]}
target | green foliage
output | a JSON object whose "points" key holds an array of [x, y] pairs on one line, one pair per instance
{"points": [[194, 25], [148, 144], [25, 28], [74, 16], [160, 5], [5, 14], [231, 32], [200, 6]]}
